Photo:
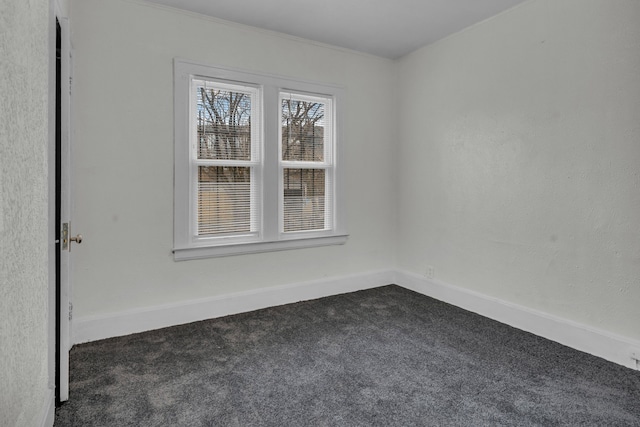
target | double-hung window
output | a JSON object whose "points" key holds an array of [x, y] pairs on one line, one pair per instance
{"points": [[257, 164], [306, 166], [224, 140]]}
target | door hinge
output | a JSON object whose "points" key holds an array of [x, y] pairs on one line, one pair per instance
{"points": [[70, 311]]}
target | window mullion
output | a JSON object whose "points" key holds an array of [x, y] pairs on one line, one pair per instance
{"points": [[271, 173]]}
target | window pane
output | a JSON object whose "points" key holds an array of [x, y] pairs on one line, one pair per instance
{"points": [[224, 200], [303, 125], [223, 123], [304, 199]]}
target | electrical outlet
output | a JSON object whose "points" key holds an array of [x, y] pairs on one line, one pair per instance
{"points": [[430, 272], [635, 355]]}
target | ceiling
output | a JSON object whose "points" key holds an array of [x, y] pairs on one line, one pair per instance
{"points": [[387, 28]]}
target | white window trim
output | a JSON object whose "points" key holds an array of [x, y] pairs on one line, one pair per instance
{"points": [[272, 239]]}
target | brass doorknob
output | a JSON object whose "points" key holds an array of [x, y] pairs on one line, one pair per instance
{"points": [[77, 239]]}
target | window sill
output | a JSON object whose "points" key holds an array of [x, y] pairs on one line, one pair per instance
{"points": [[183, 254]]}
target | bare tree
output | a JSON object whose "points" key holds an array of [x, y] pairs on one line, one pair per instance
{"points": [[224, 132], [302, 130]]}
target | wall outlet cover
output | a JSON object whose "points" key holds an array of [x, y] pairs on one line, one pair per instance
{"points": [[430, 272]]}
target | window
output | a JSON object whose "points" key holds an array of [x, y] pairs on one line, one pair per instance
{"points": [[256, 163], [224, 136], [306, 168]]}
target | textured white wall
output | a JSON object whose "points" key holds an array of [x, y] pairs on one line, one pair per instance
{"points": [[23, 211], [123, 156], [519, 161]]}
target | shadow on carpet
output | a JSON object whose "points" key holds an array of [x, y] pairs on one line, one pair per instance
{"points": [[380, 357]]}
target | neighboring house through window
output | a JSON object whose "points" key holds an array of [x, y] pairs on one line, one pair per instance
{"points": [[257, 164]]}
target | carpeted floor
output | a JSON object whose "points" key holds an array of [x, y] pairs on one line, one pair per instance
{"points": [[381, 357]]}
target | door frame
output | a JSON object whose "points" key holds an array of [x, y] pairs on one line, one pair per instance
{"points": [[59, 330]]}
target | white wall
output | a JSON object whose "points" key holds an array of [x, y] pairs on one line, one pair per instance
{"points": [[24, 390], [123, 156], [519, 160], [513, 168]]}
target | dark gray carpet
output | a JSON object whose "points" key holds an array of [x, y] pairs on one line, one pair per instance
{"points": [[381, 357]]}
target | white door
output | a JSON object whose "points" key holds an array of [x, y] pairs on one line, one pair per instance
{"points": [[67, 237]]}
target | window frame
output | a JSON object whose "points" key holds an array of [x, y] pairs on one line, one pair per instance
{"points": [[254, 163], [327, 165], [271, 236]]}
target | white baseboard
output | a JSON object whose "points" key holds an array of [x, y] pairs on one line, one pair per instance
{"points": [[92, 328], [590, 340], [49, 410]]}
